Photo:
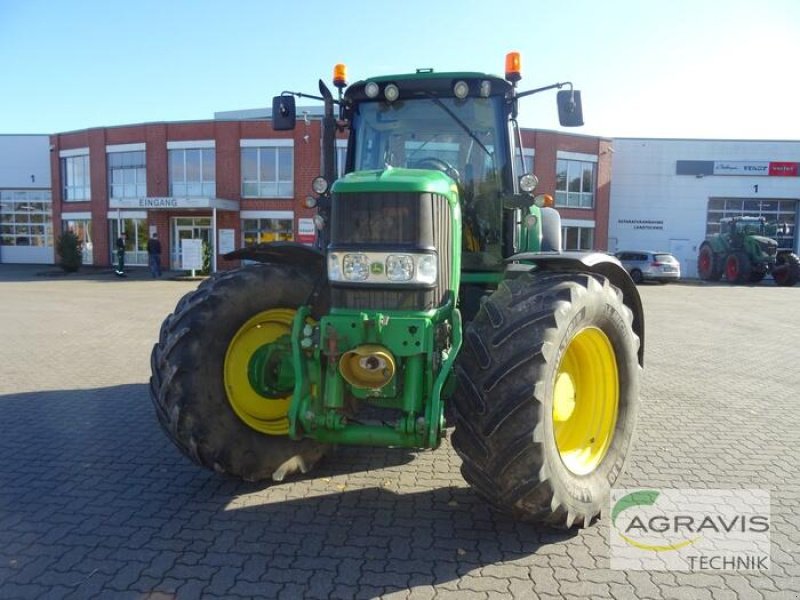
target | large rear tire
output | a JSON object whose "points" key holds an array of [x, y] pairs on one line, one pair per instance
{"points": [[547, 397], [787, 269], [708, 265], [203, 397]]}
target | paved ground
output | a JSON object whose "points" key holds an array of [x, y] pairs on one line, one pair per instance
{"points": [[95, 502]]}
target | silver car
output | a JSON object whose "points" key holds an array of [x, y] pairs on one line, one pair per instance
{"points": [[650, 266]]}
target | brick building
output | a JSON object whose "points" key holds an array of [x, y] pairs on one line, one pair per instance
{"points": [[233, 181]]}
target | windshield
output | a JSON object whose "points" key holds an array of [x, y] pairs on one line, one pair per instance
{"points": [[466, 139]]}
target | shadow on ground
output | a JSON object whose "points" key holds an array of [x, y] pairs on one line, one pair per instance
{"points": [[95, 500]]}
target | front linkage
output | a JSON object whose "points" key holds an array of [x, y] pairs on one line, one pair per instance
{"points": [[398, 364]]}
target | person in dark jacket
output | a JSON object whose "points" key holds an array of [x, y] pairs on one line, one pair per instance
{"points": [[154, 255], [120, 270]]}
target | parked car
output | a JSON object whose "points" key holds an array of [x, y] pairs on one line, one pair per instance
{"points": [[650, 266]]}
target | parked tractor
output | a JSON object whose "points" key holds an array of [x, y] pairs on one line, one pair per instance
{"points": [[436, 280], [745, 251]]}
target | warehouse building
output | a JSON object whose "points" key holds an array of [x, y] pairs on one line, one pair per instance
{"points": [[669, 194]]}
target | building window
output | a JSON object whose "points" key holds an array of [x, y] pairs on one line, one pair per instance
{"points": [[258, 231], [75, 178], [268, 172], [193, 172], [575, 183], [127, 174], [25, 218], [577, 238]]}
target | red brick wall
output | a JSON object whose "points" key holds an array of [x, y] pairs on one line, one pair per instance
{"points": [[546, 145]]}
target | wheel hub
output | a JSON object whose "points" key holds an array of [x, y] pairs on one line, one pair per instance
{"points": [[259, 372], [585, 401]]}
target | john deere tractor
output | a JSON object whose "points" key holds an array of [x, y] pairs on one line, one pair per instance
{"points": [[436, 281], [745, 251]]}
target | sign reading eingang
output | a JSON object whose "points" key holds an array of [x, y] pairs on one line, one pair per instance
{"points": [[690, 529]]}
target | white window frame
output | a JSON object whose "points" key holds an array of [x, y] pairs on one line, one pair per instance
{"points": [[140, 173], [283, 188], [185, 188], [576, 199], [71, 191]]}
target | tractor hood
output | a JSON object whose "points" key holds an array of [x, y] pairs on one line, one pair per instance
{"points": [[766, 245], [398, 180]]}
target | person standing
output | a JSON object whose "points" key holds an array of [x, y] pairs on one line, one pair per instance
{"points": [[120, 270], [154, 255]]}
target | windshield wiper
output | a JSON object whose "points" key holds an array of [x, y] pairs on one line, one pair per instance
{"points": [[437, 101]]}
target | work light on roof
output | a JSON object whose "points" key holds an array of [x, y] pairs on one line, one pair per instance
{"points": [[486, 88], [461, 89], [371, 89], [391, 92]]}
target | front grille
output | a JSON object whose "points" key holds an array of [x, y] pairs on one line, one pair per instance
{"points": [[405, 222]]}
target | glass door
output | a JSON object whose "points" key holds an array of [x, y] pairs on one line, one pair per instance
{"points": [[188, 228]]}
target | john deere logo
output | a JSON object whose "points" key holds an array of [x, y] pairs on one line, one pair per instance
{"points": [[376, 268]]}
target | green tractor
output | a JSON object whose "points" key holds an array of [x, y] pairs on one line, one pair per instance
{"points": [[745, 251], [436, 281]]}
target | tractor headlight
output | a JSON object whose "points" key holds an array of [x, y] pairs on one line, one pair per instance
{"points": [[399, 267], [355, 267], [382, 268], [426, 269], [334, 267], [528, 182]]}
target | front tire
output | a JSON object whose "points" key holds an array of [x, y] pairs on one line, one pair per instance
{"points": [[200, 387], [547, 397]]}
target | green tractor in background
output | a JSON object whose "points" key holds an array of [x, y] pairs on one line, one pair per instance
{"points": [[437, 278], [745, 251]]}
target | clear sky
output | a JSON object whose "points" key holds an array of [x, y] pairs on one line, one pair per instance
{"points": [[693, 69]]}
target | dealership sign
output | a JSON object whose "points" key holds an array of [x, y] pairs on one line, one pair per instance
{"points": [[690, 529], [758, 168]]}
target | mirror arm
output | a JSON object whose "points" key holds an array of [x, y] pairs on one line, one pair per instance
{"points": [[301, 95], [555, 86]]}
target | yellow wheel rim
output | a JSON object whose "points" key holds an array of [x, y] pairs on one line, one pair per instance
{"points": [[264, 413], [585, 401]]}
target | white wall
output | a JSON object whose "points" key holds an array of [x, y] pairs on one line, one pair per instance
{"points": [[25, 165], [644, 187], [22, 156]]}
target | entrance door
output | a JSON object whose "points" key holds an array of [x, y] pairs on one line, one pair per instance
{"points": [[686, 255], [188, 228]]}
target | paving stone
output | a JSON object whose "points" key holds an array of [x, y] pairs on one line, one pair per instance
{"points": [[98, 503]]}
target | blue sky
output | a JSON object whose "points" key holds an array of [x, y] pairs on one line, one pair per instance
{"points": [[693, 69]]}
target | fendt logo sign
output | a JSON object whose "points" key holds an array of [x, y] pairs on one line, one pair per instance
{"points": [[690, 529]]}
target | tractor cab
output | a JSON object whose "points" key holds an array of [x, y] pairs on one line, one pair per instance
{"points": [[459, 124], [454, 123]]}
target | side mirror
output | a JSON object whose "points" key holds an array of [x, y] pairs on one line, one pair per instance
{"points": [[570, 111], [284, 114]]}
